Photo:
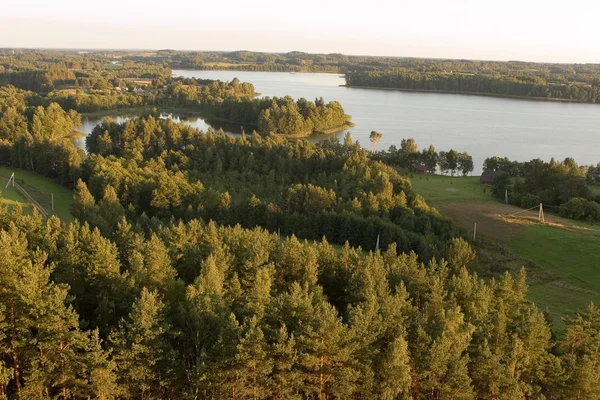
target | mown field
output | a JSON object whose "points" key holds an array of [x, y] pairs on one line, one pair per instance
{"points": [[562, 257], [40, 188]]}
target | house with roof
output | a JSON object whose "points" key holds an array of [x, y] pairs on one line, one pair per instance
{"points": [[488, 176], [421, 169]]}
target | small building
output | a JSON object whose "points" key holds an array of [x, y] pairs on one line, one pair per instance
{"points": [[420, 169], [488, 176]]}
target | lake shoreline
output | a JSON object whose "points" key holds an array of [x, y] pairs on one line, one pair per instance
{"points": [[133, 111], [183, 112], [307, 134], [499, 96], [211, 68], [476, 124]]}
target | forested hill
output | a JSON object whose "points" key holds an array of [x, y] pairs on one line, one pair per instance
{"points": [[526, 85]]}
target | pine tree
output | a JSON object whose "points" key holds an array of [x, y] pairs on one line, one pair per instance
{"points": [[395, 371], [581, 360], [324, 353], [110, 209], [259, 296], [140, 349], [150, 266], [41, 337], [285, 378], [101, 371], [6, 373], [84, 206], [252, 364], [460, 254]]}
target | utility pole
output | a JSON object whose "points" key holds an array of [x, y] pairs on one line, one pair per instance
{"points": [[12, 178], [474, 231]]}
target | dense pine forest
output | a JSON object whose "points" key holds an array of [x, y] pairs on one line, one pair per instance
{"points": [[527, 84], [206, 266]]}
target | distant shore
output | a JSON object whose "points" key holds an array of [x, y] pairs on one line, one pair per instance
{"points": [[506, 96], [178, 111]]}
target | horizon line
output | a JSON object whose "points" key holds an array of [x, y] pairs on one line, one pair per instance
{"points": [[123, 49]]}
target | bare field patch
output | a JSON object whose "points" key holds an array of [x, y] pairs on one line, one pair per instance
{"points": [[489, 216]]}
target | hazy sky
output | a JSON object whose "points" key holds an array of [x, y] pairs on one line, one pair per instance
{"points": [[533, 30]]}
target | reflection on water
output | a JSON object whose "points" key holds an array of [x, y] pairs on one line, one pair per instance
{"points": [[89, 123]]}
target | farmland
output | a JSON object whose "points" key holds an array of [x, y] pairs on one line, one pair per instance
{"points": [[560, 256]]}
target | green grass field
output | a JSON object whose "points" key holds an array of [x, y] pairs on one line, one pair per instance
{"points": [[113, 66], [10, 198], [559, 302], [572, 257], [40, 189], [577, 260], [562, 257], [438, 188]]}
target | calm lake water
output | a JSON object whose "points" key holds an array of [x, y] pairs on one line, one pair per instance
{"points": [[482, 126]]}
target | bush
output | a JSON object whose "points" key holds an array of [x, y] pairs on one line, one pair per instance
{"points": [[592, 211], [501, 183], [574, 208], [530, 200]]}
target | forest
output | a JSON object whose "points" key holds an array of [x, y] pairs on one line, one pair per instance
{"points": [[232, 102], [91, 83], [407, 158], [522, 84], [46, 70], [206, 266]]}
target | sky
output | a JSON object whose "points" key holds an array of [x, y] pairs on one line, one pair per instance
{"points": [[527, 30]]}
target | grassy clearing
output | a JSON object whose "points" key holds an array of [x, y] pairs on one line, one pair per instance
{"points": [[40, 189], [559, 302], [438, 188], [466, 201], [11, 198], [572, 256], [562, 257]]}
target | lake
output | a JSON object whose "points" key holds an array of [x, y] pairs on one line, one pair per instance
{"points": [[482, 126]]}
